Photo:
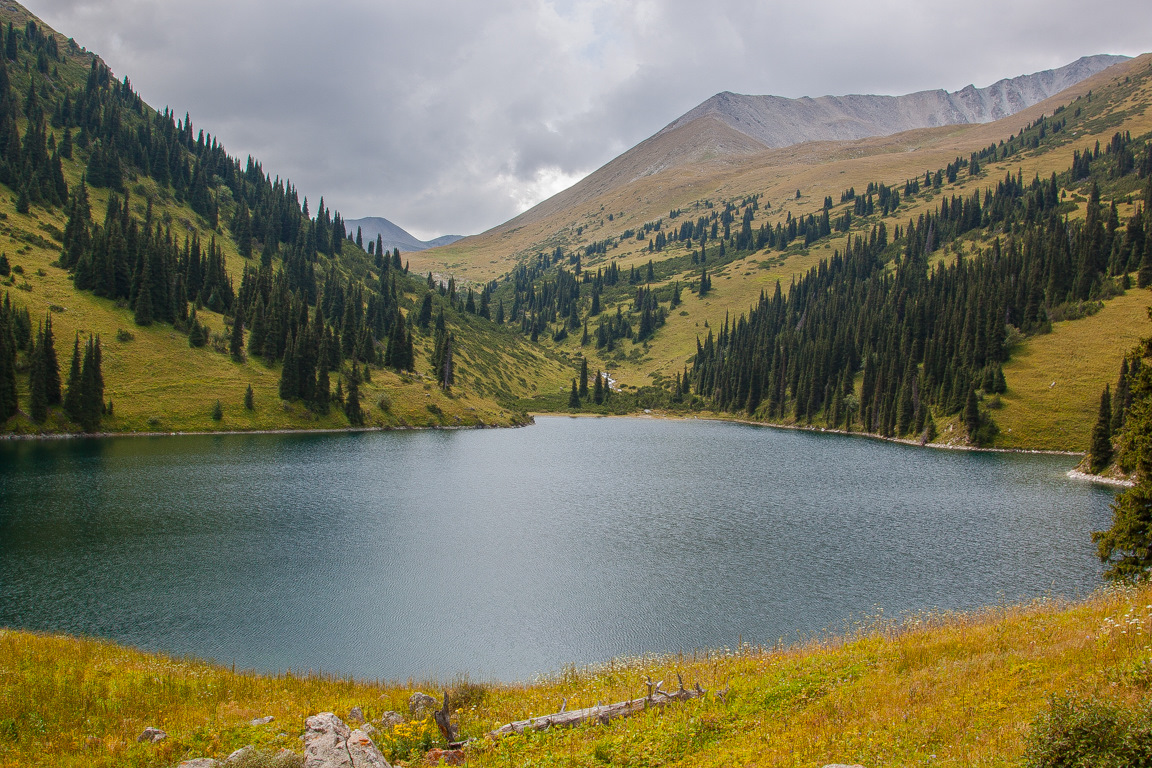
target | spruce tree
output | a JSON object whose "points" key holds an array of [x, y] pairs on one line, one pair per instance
{"points": [[52, 384], [584, 378], [8, 403], [971, 415], [72, 394], [217, 411], [352, 398], [289, 380], [574, 396], [1100, 452], [236, 343], [598, 389], [91, 387], [249, 399], [37, 381]]}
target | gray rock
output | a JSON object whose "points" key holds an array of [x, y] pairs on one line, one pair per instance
{"points": [[356, 715], [391, 719], [151, 735], [240, 754], [328, 743], [842, 765], [419, 704], [364, 752], [199, 762], [262, 720], [370, 729]]}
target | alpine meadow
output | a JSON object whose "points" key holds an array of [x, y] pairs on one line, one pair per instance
{"points": [[188, 343]]}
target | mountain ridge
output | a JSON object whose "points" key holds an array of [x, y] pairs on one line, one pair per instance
{"points": [[706, 133], [394, 236], [776, 121]]}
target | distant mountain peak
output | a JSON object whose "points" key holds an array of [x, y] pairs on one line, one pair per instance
{"points": [[394, 236], [776, 121]]}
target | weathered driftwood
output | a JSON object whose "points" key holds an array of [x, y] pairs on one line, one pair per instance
{"points": [[444, 722], [603, 713]]}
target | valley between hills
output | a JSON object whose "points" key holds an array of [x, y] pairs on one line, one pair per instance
{"points": [[980, 284]]}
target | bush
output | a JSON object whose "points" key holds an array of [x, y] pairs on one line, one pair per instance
{"points": [[1084, 732], [123, 335]]}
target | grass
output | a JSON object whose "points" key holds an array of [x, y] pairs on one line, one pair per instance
{"points": [[157, 383], [1055, 380], [939, 689]]}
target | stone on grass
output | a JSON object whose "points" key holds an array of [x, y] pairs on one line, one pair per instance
{"points": [[449, 756], [151, 735], [241, 754], [356, 715], [364, 752], [262, 720], [328, 743], [420, 704], [199, 762], [391, 719]]}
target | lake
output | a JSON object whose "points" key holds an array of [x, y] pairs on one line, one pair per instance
{"points": [[502, 554]]}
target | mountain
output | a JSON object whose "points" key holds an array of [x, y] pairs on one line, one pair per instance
{"points": [[394, 236], [774, 121], [729, 126]]}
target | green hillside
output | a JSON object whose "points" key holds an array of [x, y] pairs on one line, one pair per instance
{"points": [[1019, 187], [206, 239]]}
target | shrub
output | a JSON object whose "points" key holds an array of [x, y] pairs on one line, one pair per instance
{"points": [[1088, 732]]}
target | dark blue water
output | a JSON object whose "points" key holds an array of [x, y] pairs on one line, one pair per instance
{"points": [[504, 553]]}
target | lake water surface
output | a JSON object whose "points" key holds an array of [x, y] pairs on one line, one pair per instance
{"points": [[506, 553]]}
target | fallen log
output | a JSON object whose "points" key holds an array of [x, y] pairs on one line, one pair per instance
{"points": [[602, 713]]}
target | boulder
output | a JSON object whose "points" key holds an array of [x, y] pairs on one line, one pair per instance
{"points": [[390, 720], [262, 720], [356, 716], [199, 762], [364, 752], [328, 743], [420, 704], [151, 735], [241, 754], [448, 756]]}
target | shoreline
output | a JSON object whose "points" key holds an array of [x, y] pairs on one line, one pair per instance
{"points": [[286, 431], [819, 430], [647, 414]]}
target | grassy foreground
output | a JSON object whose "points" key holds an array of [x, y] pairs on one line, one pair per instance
{"points": [[935, 689]]}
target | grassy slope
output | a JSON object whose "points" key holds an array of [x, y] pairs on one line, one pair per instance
{"points": [[950, 690], [157, 383], [1061, 419]]}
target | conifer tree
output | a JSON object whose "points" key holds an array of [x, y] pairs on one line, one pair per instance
{"points": [[971, 415], [289, 380], [217, 411], [598, 389], [249, 399], [1100, 453], [584, 378], [574, 396], [37, 384], [236, 343], [72, 394], [8, 403], [352, 398], [52, 383], [91, 387]]}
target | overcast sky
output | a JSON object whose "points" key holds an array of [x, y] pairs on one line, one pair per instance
{"points": [[451, 117]]}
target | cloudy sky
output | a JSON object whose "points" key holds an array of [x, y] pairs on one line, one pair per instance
{"points": [[453, 116]]}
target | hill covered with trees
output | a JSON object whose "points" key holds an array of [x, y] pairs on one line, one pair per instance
{"points": [[213, 296]]}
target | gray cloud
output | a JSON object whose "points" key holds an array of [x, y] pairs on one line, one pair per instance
{"points": [[454, 116]]}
